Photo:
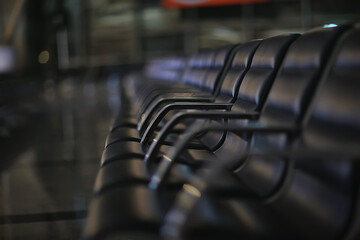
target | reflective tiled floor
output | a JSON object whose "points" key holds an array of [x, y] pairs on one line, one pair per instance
{"points": [[47, 182]]}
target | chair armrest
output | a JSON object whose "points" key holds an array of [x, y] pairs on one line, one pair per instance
{"points": [[160, 138], [181, 106], [171, 157], [150, 101], [148, 112]]}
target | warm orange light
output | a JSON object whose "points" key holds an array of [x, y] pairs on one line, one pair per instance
{"points": [[199, 3]]}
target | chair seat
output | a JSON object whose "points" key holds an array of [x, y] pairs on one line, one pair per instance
{"points": [[122, 134], [134, 171], [121, 151], [125, 211]]}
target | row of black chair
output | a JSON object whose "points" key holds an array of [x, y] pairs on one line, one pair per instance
{"points": [[258, 141]]}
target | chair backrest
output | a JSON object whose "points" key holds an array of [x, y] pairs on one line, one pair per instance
{"points": [[218, 69], [197, 68], [253, 73], [234, 59], [165, 69], [259, 78], [314, 193], [299, 75], [297, 79], [336, 106], [329, 175], [240, 64], [332, 125]]}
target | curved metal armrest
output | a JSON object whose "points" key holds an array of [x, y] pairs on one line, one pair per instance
{"points": [[161, 137], [171, 157], [157, 91], [151, 101], [153, 108], [181, 106]]}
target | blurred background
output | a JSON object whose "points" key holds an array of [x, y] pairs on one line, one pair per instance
{"points": [[71, 34], [61, 62]]}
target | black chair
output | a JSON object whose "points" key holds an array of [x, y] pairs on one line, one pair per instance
{"points": [[125, 141], [318, 197], [188, 89], [131, 209], [287, 100], [265, 64], [322, 36]]}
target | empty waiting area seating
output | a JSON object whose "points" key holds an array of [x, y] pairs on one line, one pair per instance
{"points": [[259, 140]]}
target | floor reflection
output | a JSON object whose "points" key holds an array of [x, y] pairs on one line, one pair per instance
{"points": [[47, 180]]}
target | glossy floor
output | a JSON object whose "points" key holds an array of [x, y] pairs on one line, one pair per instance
{"points": [[46, 185]]}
